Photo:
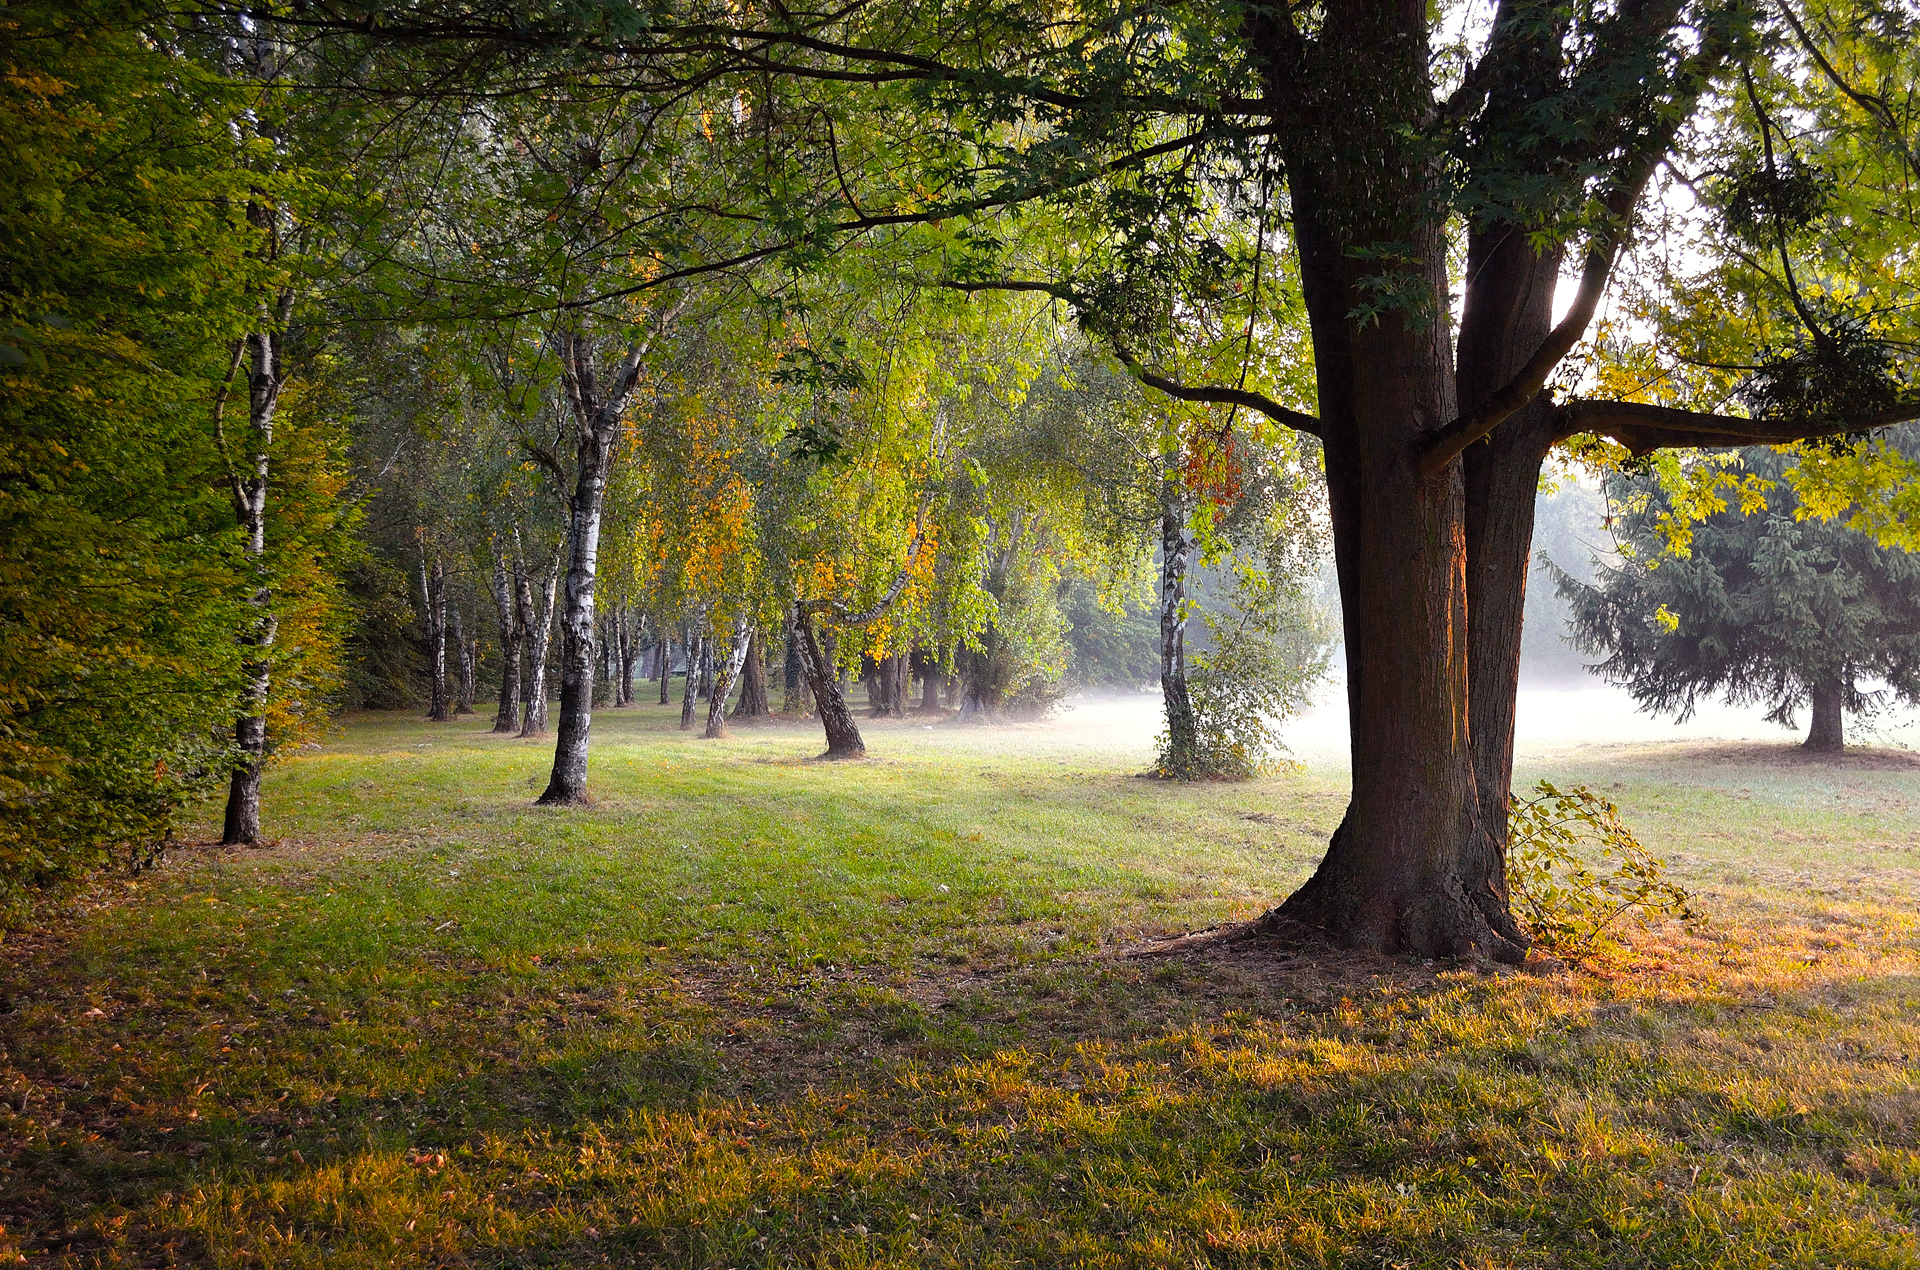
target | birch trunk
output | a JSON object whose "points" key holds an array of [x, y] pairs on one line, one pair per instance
{"points": [[599, 414], [469, 662], [507, 718], [539, 645], [726, 673], [753, 680], [1181, 757], [690, 679], [242, 826]]}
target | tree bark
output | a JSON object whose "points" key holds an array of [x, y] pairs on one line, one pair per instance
{"points": [[663, 651], [433, 615], [539, 642], [1408, 869], [1827, 735], [629, 653], [794, 678], [930, 676], [753, 702], [598, 417], [507, 718], [725, 674], [465, 646], [242, 826], [843, 734], [690, 687], [1181, 757], [706, 666]]}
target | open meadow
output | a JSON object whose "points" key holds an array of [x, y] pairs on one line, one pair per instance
{"points": [[755, 1010]]}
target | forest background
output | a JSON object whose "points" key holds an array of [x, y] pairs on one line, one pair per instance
{"points": [[342, 345]]}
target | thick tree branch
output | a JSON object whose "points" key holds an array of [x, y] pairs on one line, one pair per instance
{"points": [[1445, 444], [1644, 429], [838, 608], [1299, 421]]}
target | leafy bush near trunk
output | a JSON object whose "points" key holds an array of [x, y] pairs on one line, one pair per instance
{"points": [[1570, 909]]}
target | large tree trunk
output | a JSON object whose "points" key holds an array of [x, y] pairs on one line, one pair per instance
{"points": [[1409, 869], [725, 674], [1508, 314], [242, 827], [1181, 757], [1827, 735], [539, 641], [843, 734], [507, 718], [753, 680]]}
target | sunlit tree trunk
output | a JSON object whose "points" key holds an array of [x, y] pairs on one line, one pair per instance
{"points": [[1409, 868], [599, 414]]}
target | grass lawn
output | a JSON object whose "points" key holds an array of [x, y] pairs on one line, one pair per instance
{"points": [[753, 1010]]}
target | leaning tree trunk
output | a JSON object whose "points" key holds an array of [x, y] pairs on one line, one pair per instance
{"points": [[843, 734], [725, 674], [507, 718], [753, 702], [539, 646], [242, 827], [1181, 757], [1828, 733]]}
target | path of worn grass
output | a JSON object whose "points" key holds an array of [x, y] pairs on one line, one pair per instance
{"points": [[756, 1011]]}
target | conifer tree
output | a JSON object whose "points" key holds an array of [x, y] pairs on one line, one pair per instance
{"points": [[1771, 607]]}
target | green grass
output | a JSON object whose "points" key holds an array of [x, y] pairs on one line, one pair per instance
{"points": [[752, 1010]]}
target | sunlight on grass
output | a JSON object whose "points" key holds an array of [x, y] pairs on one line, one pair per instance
{"points": [[753, 1010]]}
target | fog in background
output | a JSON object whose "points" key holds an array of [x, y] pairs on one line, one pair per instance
{"points": [[1562, 705]]}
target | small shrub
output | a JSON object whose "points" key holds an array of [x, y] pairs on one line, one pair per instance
{"points": [[1570, 909]]}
